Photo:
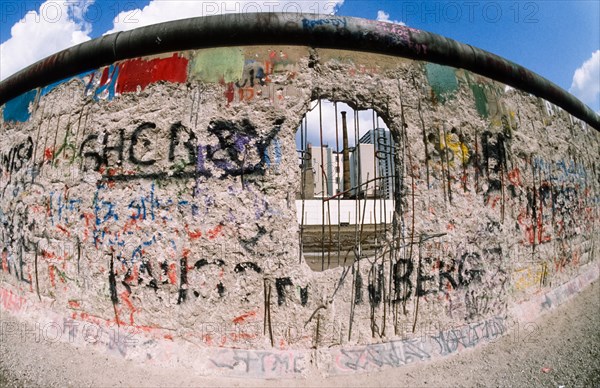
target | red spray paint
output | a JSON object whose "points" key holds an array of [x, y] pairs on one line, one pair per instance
{"points": [[139, 72]]}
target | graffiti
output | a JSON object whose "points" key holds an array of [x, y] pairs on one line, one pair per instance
{"points": [[17, 245], [470, 282], [403, 286], [239, 151], [253, 72], [111, 224], [259, 363], [249, 244], [530, 277], [84, 329], [17, 157], [11, 301], [158, 217], [562, 293], [192, 280], [125, 77], [434, 275], [451, 148], [218, 264], [468, 336], [105, 154], [532, 219], [280, 285], [135, 138], [448, 155], [401, 34], [15, 265], [391, 354], [258, 75], [335, 22], [477, 304], [242, 267], [556, 202], [488, 103], [231, 154], [363, 69], [101, 83], [494, 160], [442, 80], [66, 153], [17, 109], [561, 171], [136, 74], [375, 287], [67, 212]]}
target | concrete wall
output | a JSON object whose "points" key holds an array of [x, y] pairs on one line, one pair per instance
{"points": [[146, 198]]}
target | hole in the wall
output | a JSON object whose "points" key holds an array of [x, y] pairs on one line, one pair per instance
{"points": [[345, 202]]}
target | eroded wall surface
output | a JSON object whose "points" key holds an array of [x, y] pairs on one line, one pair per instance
{"points": [[157, 196]]}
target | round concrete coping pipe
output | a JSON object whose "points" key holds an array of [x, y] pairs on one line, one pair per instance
{"points": [[312, 30]]}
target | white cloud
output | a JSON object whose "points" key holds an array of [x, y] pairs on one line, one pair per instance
{"points": [[586, 81], [55, 26], [59, 24], [383, 16], [158, 11]]}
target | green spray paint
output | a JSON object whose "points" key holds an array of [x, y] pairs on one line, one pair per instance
{"points": [[442, 80], [218, 64], [480, 100]]}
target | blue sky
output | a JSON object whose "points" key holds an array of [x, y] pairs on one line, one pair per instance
{"points": [[559, 40]]}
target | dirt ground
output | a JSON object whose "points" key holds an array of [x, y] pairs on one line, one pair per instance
{"points": [[561, 348]]}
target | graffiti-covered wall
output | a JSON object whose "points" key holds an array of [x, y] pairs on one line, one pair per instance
{"points": [[157, 195]]}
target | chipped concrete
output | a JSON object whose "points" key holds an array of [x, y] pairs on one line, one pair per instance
{"points": [[163, 213]]}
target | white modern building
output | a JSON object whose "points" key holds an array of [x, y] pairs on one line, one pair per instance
{"points": [[344, 211], [371, 168], [327, 171], [384, 148], [363, 174]]}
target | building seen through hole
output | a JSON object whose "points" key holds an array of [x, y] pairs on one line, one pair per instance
{"points": [[345, 201]]}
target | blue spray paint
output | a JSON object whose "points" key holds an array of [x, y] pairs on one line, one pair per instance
{"points": [[17, 109]]}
